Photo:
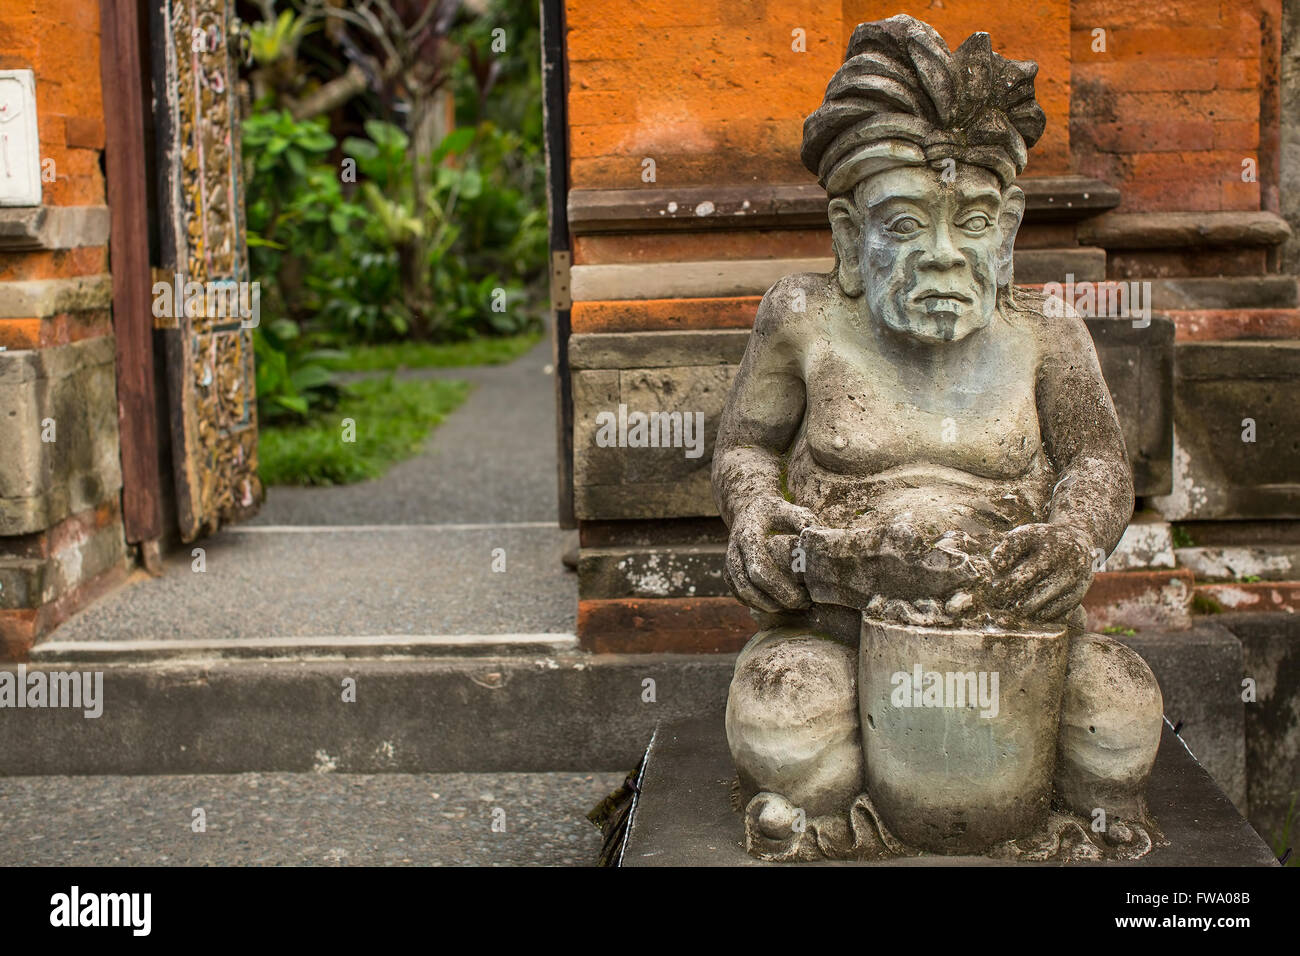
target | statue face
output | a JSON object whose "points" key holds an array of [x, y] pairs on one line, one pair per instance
{"points": [[930, 249]]}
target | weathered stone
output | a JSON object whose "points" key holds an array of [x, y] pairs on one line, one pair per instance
{"points": [[609, 350], [1085, 263], [53, 227], [1229, 292], [973, 768], [1153, 230], [1147, 545], [1275, 562], [1137, 364], [1244, 596], [58, 429], [684, 818], [689, 571], [662, 468], [38, 298], [1270, 646], [1139, 599], [1235, 452], [1200, 672]]}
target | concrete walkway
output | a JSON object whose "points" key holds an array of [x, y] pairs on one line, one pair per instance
{"points": [[303, 819], [405, 566], [414, 553]]}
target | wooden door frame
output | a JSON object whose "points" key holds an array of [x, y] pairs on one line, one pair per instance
{"points": [[555, 120], [126, 174]]}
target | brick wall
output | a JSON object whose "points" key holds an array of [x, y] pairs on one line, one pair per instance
{"points": [[61, 538], [1171, 107], [59, 41], [1159, 120]]}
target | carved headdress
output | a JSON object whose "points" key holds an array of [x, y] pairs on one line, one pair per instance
{"points": [[903, 98]]}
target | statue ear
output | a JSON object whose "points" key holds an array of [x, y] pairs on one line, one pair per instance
{"points": [[846, 234], [1013, 211]]}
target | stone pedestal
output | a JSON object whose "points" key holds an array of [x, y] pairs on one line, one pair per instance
{"points": [[684, 817]]}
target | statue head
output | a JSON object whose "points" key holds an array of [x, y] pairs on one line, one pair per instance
{"points": [[918, 148]]}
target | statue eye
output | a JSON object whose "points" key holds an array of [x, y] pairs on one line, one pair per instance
{"points": [[905, 226], [977, 223]]}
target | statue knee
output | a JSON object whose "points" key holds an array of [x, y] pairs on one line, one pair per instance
{"points": [[1111, 721], [792, 720]]}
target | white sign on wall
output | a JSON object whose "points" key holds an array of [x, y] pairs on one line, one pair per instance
{"points": [[20, 148]]}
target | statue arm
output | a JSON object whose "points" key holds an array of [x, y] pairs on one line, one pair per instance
{"points": [[1081, 432], [763, 411]]}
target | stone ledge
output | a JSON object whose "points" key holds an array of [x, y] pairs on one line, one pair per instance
{"points": [[31, 228], [1169, 230], [41, 298], [576, 712], [789, 205], [1199, 671], [41, 483], [683, 814]]}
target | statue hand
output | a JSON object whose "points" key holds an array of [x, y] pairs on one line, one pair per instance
{"points": [[759, 579], [1042, 570]]}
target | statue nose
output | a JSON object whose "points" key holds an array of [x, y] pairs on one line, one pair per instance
{"points": [[943, 252]]}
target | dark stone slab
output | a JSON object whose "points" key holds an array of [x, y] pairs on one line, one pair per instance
{"points": [[1200, 671], [683, 816], [789, 205], [1270, 644]]}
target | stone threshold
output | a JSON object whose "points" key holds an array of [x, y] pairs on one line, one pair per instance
{"points": [[683, 815], [329, 647]]}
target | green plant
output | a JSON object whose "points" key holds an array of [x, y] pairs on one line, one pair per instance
{"points": [[391, 421], [292, 378], [1283, 841], [389, 356]]}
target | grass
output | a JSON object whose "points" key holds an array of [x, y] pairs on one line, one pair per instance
{"points": [[391, 421], [1282, 842], [496, 350]]}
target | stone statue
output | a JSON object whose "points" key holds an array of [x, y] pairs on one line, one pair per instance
{"points": [[919, 468]]}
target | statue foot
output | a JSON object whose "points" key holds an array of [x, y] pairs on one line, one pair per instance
{"points": [[1067, 838], [777, 831]]}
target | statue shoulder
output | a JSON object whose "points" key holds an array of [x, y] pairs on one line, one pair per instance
{"points": [[793, 303], [1057, 329]]}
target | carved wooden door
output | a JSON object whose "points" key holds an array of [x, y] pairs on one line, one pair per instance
{"points": [[210, 367]]}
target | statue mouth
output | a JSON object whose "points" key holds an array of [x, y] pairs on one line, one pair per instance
{"points": [[937, 301]]}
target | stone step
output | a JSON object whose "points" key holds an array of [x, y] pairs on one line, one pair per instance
{"points": [[303, 819], [383, 646], [537, 712]]}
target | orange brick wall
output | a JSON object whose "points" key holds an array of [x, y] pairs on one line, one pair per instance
{"points": [[713, 92], [1171, 108], [59, 40], [709, 89], [1037, 30]]}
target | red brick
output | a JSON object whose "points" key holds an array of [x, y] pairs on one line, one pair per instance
{"points": [[654, 315], [1140, 137], [84, 132], [1237, 73], [1139, 599], [1209, 325], [1249, 596], [665, 625]]}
